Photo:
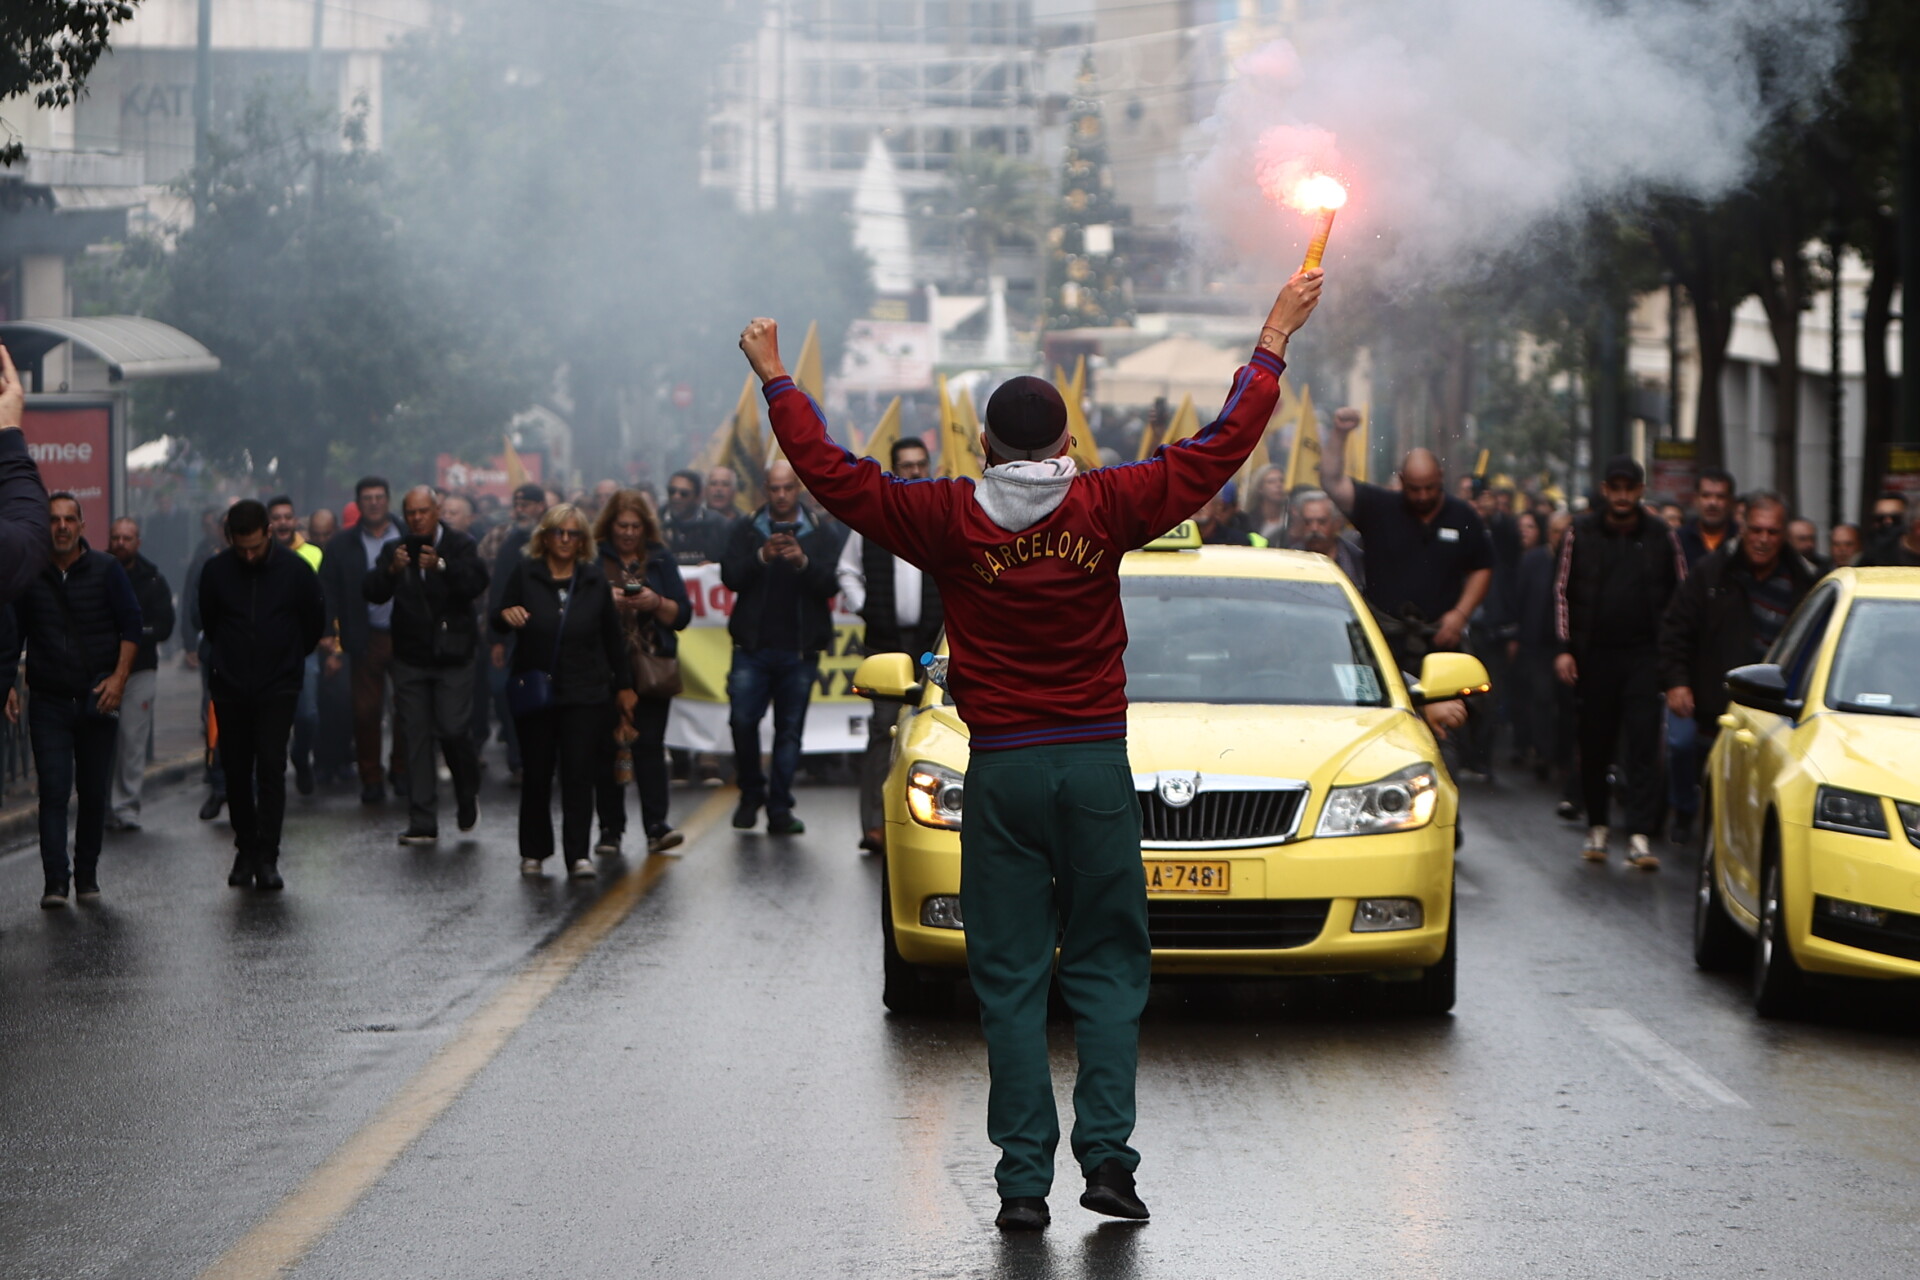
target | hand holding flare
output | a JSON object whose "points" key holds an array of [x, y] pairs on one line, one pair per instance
{"points": [[1320, 194]]}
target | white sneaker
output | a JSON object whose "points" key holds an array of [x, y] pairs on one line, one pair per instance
{"points": [[532, 867], [1596, 850], [1640, 856], [582, 870]]}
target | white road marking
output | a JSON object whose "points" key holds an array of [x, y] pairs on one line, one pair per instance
{"points": [[1678, 1076]]}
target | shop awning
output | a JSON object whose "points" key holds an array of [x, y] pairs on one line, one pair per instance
{"points": [[131, 346]]}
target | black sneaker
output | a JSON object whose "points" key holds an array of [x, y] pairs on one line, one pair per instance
{"points": [[1110, 1191], [609, 844], [1567, 811], [54, 898], [86, 888], [241, 877], [266, 875], [413, 835], [469, 812], [785, 824], [211, 809], [1023, 1213], [746, 814]]}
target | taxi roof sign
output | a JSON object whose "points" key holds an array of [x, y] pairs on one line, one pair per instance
{"points": [[1184, 536]]}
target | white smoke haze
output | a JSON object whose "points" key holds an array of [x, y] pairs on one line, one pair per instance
{"points": [[1459, 126]]}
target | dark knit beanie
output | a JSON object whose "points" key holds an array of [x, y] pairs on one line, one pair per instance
{"points": [[1026, 418]]}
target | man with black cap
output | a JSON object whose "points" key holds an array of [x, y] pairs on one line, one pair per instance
{"points": [[1027, 562], [1619, 566]]}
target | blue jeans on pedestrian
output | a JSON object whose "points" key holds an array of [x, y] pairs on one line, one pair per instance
{"points": [[1683, 765], [71, 750], [759, 677]]}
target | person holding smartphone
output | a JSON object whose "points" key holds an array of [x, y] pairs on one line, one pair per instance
{"points": [[780, 564], [650, 600]]}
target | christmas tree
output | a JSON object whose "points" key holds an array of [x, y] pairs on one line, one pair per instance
{"points": [[1086, 277]]}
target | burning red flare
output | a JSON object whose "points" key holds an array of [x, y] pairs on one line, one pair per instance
{"points": [[1317, 192]]}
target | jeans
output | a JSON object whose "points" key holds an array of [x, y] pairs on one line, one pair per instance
{"points": [[130, 747], [434, 705], [759, 677], [649, 752], [577, 740], [72, 751], [1683, 765], [253, 751], [1619, 701], [306, 712]]}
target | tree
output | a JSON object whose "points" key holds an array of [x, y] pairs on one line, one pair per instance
{"points": [[47, 48], [1086, 282], [549, 173], [992, 199], [338, 352]]}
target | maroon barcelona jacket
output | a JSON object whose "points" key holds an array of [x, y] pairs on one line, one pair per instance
{"points": [[1028, 559]]}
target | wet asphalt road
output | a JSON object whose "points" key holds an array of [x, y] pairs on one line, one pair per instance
{"points": [[716, 1091]]}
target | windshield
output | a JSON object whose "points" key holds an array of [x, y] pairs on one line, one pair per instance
{"points": [[1246, 640], [1873, 669]]}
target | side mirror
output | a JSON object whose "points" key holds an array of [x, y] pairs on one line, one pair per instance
{"points": [[1762, 686], [1445, 676], [887, 675]]}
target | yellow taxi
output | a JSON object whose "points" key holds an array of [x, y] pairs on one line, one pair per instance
{"points": [[1297, 818], [1812, 823]]}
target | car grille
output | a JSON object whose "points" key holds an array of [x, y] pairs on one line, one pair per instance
{"points": [[1899, 936], [1221, 817], [1240, 924]]}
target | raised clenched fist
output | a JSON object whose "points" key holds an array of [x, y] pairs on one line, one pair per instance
{"points": [[760, 341]]}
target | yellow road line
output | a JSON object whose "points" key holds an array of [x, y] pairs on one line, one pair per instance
{"points": [[305, 1216]]}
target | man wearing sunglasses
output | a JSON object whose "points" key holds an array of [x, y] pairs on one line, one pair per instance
{"points": [[695, 532]]}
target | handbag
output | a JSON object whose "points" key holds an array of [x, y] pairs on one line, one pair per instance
{"points": [[655, 674], [532, 690]]}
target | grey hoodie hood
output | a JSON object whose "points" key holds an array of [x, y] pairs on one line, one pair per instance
{"points": [[1019, 495]]}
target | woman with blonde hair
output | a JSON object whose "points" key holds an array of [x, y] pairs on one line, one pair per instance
{"points": [[650, 600], [569, 672], [1266, 508]]}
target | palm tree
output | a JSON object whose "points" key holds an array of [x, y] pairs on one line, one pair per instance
{"points": [[992, 197]]}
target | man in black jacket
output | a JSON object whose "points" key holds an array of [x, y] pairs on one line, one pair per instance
{"points": [[1618, 568], [695, 532], [136, 705], [780, 565], [901, 607], [435, 581], [363, 631], [263, 612], [1728, 614], [81, 625]]}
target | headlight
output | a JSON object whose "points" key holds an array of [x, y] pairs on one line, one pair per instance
{"points": [[1853, 812], [1910, 819], [935, 795], [1398, 802]]}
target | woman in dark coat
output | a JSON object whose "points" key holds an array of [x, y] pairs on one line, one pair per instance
{"points": [[651, 602], [557, 599]]}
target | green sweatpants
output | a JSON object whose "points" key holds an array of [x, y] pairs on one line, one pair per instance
{"points": [[1050, 854]]}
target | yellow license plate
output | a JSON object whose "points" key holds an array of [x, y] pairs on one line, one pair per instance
{"points": [[1187, 877]]}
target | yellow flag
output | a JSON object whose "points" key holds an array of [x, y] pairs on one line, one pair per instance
{"points": [[1480, 465], [960, 438], [1080, 446], [880, 443], [746, 451], [1357, 451], [1186, 421], [807, 372], [1303, 460], [516, 470]]}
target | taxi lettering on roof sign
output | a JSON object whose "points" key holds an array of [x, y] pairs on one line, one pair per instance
{"points": [[1184, 536]]}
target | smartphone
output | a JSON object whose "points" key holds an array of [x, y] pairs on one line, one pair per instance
{"points": [[630, 589], [788, 527], [415, 545]]}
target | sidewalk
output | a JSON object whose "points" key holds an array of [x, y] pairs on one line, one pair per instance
{"points": [[178, 748]]}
